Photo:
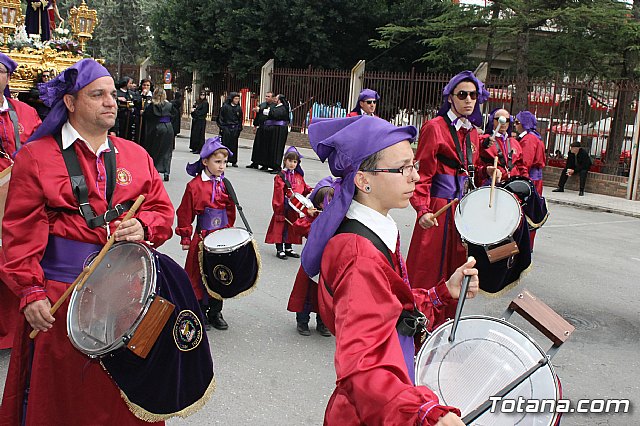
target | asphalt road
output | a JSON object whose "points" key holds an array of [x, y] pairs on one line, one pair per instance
{"points": [[585, 268]]}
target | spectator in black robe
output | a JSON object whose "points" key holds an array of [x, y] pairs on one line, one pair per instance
{"points": [[198, 123], [126, 114], [230, 123], [159, 138], [141, 100], [258, 153], [177, 101], [276, 130]]}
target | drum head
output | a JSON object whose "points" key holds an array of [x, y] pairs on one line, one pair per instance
{"points": [[487, 354], [112, 302], [481, 225], [226, 240]]}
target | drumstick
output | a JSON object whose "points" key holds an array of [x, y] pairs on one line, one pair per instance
{"points": [[493, 180], [5, 172], [288, 221], [88, 270], [444, 209]]}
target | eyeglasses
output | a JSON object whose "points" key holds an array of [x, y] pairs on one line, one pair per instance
{"points": [[516, 122], [371, 101], [405, 170], [462, 95]]}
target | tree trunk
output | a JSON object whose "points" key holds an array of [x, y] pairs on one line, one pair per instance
{"points": [[521, 98], [488, 58]]}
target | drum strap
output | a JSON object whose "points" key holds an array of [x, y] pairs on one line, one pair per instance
{"points": [[454, 135], [234, 198], [13, 116], [409, 323], [286, 181], [81, 192]]}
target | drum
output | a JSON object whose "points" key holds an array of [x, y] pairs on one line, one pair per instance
{"points": [[230, 263], [497, 237], [486, 355], [300, 204], [533, 205], [138, 315]]}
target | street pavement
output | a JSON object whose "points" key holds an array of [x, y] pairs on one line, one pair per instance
{"points": [[585, 268]]}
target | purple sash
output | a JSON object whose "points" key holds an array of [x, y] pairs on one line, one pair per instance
{"points": [[408, 352], [212, 219], [535, 173], [164, 119], [275, 123], [64, 259], [444, 186]]}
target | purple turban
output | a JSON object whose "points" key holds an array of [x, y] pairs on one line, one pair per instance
{"points": [[483, 95], [69, 81], [488, 130], [323, 183], [363, 96], [210, 146], [298, 168], [345, 143], [11, 66], [529, 122]]}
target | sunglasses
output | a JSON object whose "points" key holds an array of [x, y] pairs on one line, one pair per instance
{"points": [[369, 102], [462, 95], [516, 122]]}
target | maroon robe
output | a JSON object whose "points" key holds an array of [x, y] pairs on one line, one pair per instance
{"points": [[435, 253], [66, 386], [533, 156], [373, 386], [304, 288], [279, 229], [197, 196], [488, 154]]}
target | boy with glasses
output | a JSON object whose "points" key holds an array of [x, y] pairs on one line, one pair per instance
{"points": [[448, 154]]}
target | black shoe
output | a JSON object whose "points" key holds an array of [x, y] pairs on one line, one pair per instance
{"points": [[281, 255], [252, 166], [234, 165], [291, 253], [558, 190], [274, 172], [166, 177], [581, 193], [263, 168], [323, 330], [216, 320], [303, 329]]}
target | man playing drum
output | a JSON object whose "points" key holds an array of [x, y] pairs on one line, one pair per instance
{"points": [[17, 122], [364, 296], [47, 239], [448, 153]]}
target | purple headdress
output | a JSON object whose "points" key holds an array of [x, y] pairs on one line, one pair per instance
{"points": [[210, 146], [483, 95], [11, 66], [298, 168], [529, 122], [363, 96], [345, 143]]}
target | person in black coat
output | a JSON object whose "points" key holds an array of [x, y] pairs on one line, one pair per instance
{"points": [[276, 130], [126, 125], [177, 102], [230, 123], [198, 123], [159, 138], [578, 161], [259, 151]]}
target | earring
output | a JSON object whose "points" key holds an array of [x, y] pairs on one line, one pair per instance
{"points": [[367, 189]]}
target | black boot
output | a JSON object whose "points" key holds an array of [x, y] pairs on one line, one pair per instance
{"points": [[303, 329], [217, 321], [205, 313]]}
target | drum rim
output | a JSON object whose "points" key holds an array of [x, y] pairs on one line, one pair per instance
{"points": [[549, 365], [524, 179], [458, 217], [120, 341], [303, 200], [226, 249]]}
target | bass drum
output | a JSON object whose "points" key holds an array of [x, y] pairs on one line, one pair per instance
{"points": [[487, 354]]}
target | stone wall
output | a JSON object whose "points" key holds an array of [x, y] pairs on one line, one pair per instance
{"points": [[597, 183]]}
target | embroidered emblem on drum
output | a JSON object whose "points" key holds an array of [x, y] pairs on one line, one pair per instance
{"points": [[123, 177], [223, 274], [187, 331]]}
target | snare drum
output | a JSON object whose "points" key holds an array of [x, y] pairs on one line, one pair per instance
{"points": [[230, 263], [487, 354], [138, 315], [497, 237], [300, 204]]}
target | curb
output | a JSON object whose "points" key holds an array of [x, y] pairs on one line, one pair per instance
{"points": [[595, 208]]}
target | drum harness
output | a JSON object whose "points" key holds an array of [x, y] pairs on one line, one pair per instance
{"points": [[81, 192], [410, 323], [505, 161], [234, 198], [458, 165]]}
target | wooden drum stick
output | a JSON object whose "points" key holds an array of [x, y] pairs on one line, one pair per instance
{"points": [[88, 270], [444, 208], [493, 180]]}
